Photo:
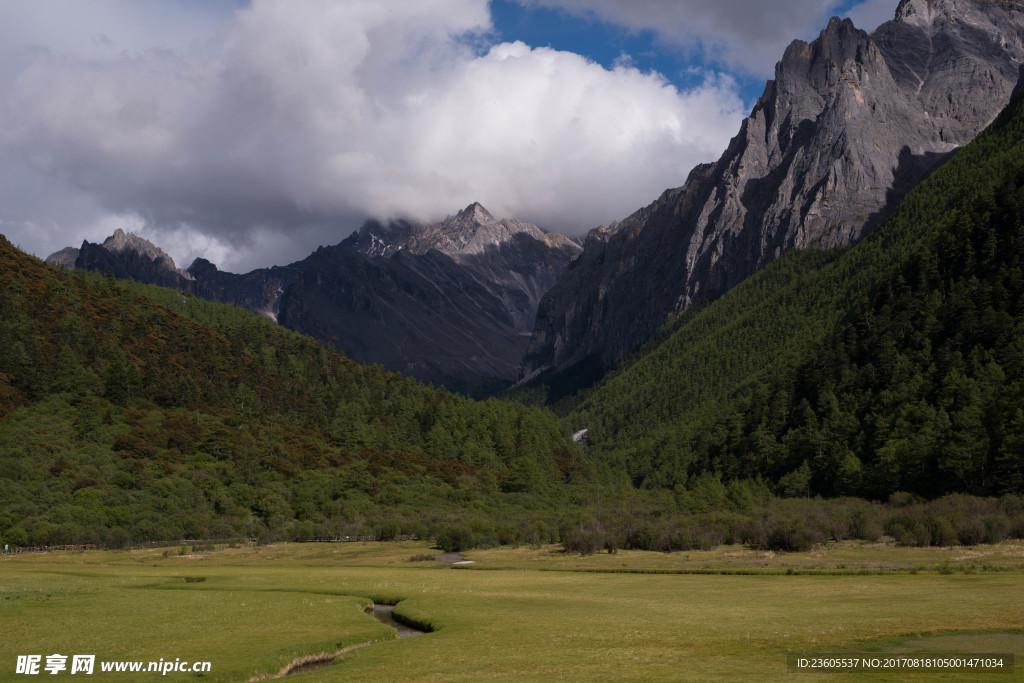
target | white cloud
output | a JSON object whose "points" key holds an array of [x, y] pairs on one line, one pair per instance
{"points": [[306, 116], [746, 35], [107, 28]]}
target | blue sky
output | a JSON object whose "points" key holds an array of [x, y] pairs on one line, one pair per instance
{"points": [[251, 132], [606, 43], [684, 64]]}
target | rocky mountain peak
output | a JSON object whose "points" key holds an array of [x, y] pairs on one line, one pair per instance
{"points": [[126, 255], [918, 12], [809, 73], [121, 245], [467, 234], [473, 230], [475, 212], [201, 267], [927, 13], [64, 258], [122, 241], [850, 123]]}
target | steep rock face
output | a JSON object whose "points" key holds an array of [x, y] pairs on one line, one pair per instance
{"points": [[127, 256], [452, 302], [515, 261], [850, 123], [258, 291], [65, 258], [422, 315]]}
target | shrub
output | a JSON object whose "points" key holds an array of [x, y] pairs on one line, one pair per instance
{"points": [[388, 530], [421, 558], [507, 535], [1016, 527], [908, 530], [996, 528], [970, 532], [901, 499], [303, 532], [791, 536], [942, 532], [866, 524], [582, 541], [117, 538], [454, 538], [642, 538]]}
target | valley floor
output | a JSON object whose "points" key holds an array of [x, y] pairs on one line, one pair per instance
{"points": [[514, 614]]}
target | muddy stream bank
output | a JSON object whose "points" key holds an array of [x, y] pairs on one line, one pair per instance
{"points": [[382, 613]]}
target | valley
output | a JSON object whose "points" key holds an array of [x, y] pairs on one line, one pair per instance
{"points": [[777, 412], [520, 622]]}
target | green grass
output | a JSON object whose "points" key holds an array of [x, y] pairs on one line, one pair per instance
{"points": [[259, 608], [848, 557]]}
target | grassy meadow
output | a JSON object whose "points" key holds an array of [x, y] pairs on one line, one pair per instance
{"points": [[515, 614]]}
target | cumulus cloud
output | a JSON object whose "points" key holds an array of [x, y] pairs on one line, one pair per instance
{"points": [[297, 119], [106, 28], [746, 35]]}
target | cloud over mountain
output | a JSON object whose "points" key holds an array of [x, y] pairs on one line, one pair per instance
{"points": [[744, 35], [297, 119]]}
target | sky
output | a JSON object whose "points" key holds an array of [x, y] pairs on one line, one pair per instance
{"points": [[250, 132]]}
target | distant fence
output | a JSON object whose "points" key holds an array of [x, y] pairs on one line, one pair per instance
{"points": [[364, 538], [358, 539], [18, 550]]}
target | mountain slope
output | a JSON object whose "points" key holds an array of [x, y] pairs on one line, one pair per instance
{"points": [[132, 412], [895, 365], [451, 303], [849, 124]]}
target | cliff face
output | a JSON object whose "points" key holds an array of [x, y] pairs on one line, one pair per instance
{"points": [[451, 302], [516, 262], [850, 123], [127, 256], [258, 291]]}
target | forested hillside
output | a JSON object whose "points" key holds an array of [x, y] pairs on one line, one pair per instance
{"points": [[131, 413], [895, 365]]}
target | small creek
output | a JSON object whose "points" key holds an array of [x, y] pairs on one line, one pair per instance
{"points": [[383, 614]]}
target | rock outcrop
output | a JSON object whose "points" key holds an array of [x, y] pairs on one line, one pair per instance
{"points": [[850, 123], [127, 256]]}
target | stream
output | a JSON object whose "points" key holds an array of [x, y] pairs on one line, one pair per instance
{"points": [[383, 614]]}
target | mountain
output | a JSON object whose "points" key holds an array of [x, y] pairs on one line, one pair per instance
{"points": [[896, 365], [258, 290], [132, 413], [451, 303], [127, 256], [518, 261], [849, 124]]}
